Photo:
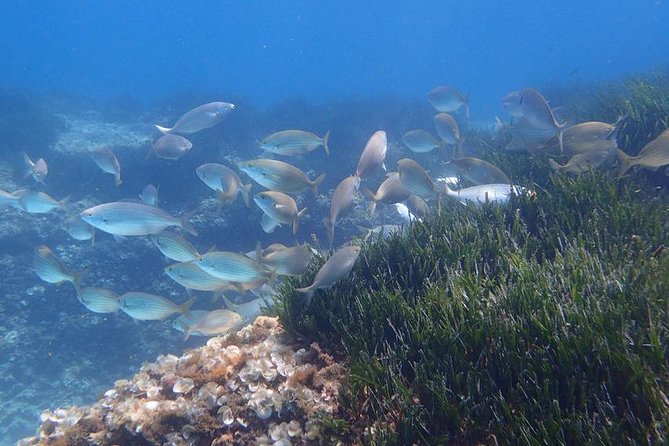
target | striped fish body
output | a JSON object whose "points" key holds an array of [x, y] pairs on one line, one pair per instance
{"points": [[191, 276], [150, 307], [232, 267], [127, 218], [174, 246], [294, 142], [99, 300]]}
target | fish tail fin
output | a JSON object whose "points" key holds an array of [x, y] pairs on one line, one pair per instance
{"points": [[296, 222], [561, 139], [77, 277], [187, 333], [555, 166], [163, 130], [117, 178], [64, 203], [326, 140], [224, 198], [186, 225], [28, 165], [93, 238], [246, 193], [329, 229], [259, 256], [228, 304], [184, 308], [457, 152], [364, 231], [314, 184], [626, 162], [308, 294], [371, 197]]}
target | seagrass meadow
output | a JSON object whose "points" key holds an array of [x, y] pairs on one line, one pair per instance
{"points": [[540, 322]]}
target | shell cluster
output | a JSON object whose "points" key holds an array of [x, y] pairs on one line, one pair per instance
{"points": [[248, 388]]}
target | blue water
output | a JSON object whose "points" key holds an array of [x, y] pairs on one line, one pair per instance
{"points": [[350, 67]]}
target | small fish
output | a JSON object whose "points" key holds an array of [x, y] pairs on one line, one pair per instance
{"points": [[280, 207], [174, 246], [128, 218], [224, 180], [415, 179], [183, 321], [200, 118], [79, 229], [338, 266], [51, 270], [279, 176], [149, 195], [268, 224], [449, 131], [448, 99], [590, 136], [107, 161], [342, 200], [421, 141], [478, 171], [383, 231], [291, 261], [191, 276], [417, 207], [654, 155], [171, 147], [35, 202], [373, 156], [486, 193], [99, 300], [294, 142], [391, 191], [38, 170], [233, 267], [535, 110], [582, 162], [215, 323], [151, 307]]}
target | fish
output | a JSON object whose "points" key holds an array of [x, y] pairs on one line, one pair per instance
{"points": [[79, 229], [421, 141], [478, 171], [342, 200], [249, 310], [291, 261], [338, 266], [192, 277], [38, 170], [294, 142], [214, 323], [511, 104], [233, 267], [149, 195], [391, 191], [486, 193], [415, 179], [448, 99], [151, 307], [383, 231], [224, 180], [50, 269], [35, 202], [128, 218], [279, 176], [405, 213], [174, 246], [99, 300], [373, 156], [268, 224], [448, 130], [590, 136], [200, 118], [582, 162], [652, 156], [280, 207], [183, 321], [107, 161], [171, 147], [523, 136], [535, 110], [417, 207], [9, 199]]}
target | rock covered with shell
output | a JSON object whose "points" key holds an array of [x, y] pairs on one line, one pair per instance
{"points": [[251, 387]]}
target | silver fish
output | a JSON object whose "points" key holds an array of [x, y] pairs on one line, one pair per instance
{"points": [[448, 130], [336, 268], [215, 323], [421, 141], [478, 171], [79, 229], [590, 136], [583, 162], [535, 110], [268, 224], [200, 118], [280, 207], [417, 206], [373, 156], [35, 202], [99, 300], [149, 195], [512, 102], [232, 267], [524, 136], [391, 191], [654, 155], [171, 147], [191, 276], [448, 99], [342, 200], [486, 193], [279, 176], [128, 218], [294, 142], [415, 179], [175, 247], [49, 268], [183, 321], [151, 307], [225, 181], [38, 170], [291, 261], [107, 161], [252, 309]]}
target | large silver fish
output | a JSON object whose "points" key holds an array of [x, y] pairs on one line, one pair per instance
{"points": [[415, 179], [233, 267], [200, 118], [478, 171], [590, 136], [291, 261], [107, 162], [448, 99], [583, 162], [174, 246], [373, 156], [128, 218], [486, 193], [421, 141], [224, 180], [151, 307], [35, 202], [99, 300], [294, 142], [214, 323], [38, 169], [342, 200], [654, 155], [279, 176], [49, 268], [391, 191], [191, 276], [280, 207], [336, 268], [534, 109], [171, 147]]}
